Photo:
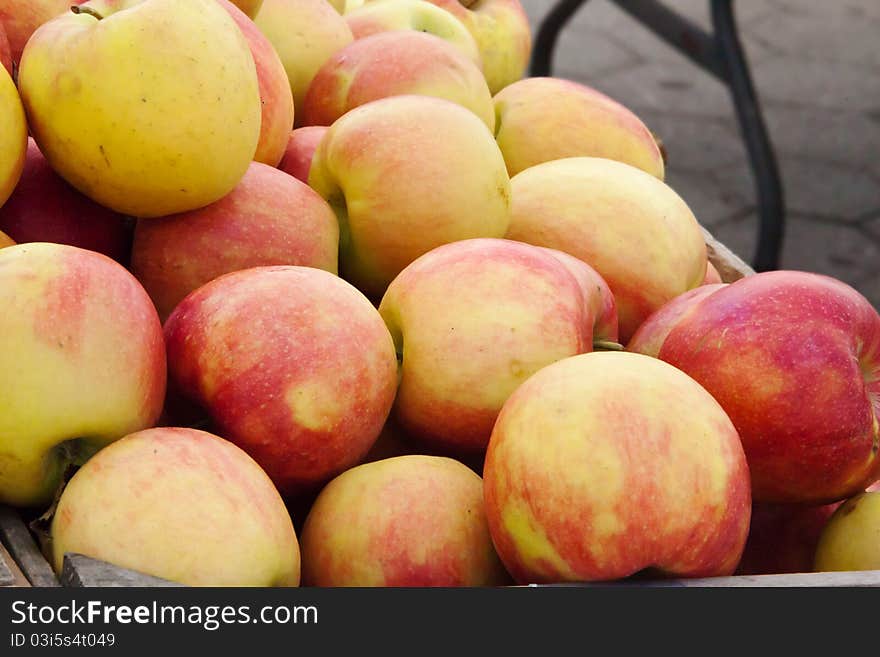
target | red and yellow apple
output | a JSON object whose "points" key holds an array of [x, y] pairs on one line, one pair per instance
{"points": [[544, 119], [83, 363], [270, 218], [400, 191], [13, 136], [607, 464], [275, 94], [44, 208], [293, 364], [5, 51], [474, 319], [180, 504], [5, 240], [367, 19], [20, 18], [629, 226], [129, 106], [393, 64], [712, 276], [403, 521], [503, 35], [301, 146], [793, 357], [305, 33], [249, 7]]}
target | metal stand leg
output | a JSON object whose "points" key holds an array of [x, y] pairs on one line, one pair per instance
{"points": [[765, 170], [548, 32]]}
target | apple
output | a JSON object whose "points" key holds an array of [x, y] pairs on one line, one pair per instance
{"points": [[5, 51], [44, 208], [503, 35], [712, 276], [418, 15], [293, 364], [629, 226], [783, 538], [305, 33], [129, 106], [180, 504], [851, 538], [269, 218], [791, 356], [20, 18], [404, 521], [83, 363], [579, 121], [13, 137], [275, 93], [249, 7], [301, 146], [651, 334], [400, 191], [392, 64], [5, 240], [474, 319], [603, 465]]}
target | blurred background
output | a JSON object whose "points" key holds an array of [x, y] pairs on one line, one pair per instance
{"points": [[816, 68]]}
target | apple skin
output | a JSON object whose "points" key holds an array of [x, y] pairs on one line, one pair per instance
{"points": [[392, 64], [305, 33], [632, 228], [395, 207], [406, 521], [44, 208], [275, 94], [301, 146], [250, 8], [606, 464], [180, 504], [84, 363], [135, 112], [270, 218], [791, 357], [21, 18], [293, 364], [419, 15], [851, 538], [5, 240], [528, 127], [651, 334], [503, 35], [474, 319], [5, 51], [13, 137]]}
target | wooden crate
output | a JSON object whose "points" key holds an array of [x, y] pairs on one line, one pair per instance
{"points": [[28, 566]]}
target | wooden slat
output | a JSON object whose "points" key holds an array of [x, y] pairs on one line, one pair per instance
{"points": [[20, 544], [82, 571], [10, 573], [729, 265]]}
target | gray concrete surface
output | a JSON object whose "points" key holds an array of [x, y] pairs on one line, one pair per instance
{"points": [[816, 67]]}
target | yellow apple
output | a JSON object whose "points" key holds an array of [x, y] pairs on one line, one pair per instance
{"points": [[851, 539], [149, 107], [13, 136]]}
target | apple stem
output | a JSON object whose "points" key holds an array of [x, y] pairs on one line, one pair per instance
{"points": [[607, 345], [76, 9]]}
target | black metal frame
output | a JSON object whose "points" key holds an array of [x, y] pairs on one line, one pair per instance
{"points": [[719, 53]]}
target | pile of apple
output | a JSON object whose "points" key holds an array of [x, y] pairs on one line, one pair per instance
{"points": [[328, 292]]}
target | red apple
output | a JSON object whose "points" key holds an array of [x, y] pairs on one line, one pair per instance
{"points": [[607, 464], [404, 521], [21, 18], [301, 147], [275, 94], [5, 51], [45, 208], [293, 364], [270, 218], [793, 357]]}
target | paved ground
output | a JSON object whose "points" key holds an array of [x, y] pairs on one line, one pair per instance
{"points": [[815, 66]]}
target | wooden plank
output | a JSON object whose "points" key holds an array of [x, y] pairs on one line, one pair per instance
{"points": [[729, 265], [853, 578], [17, 539], [10, 573], [82, 571]]}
